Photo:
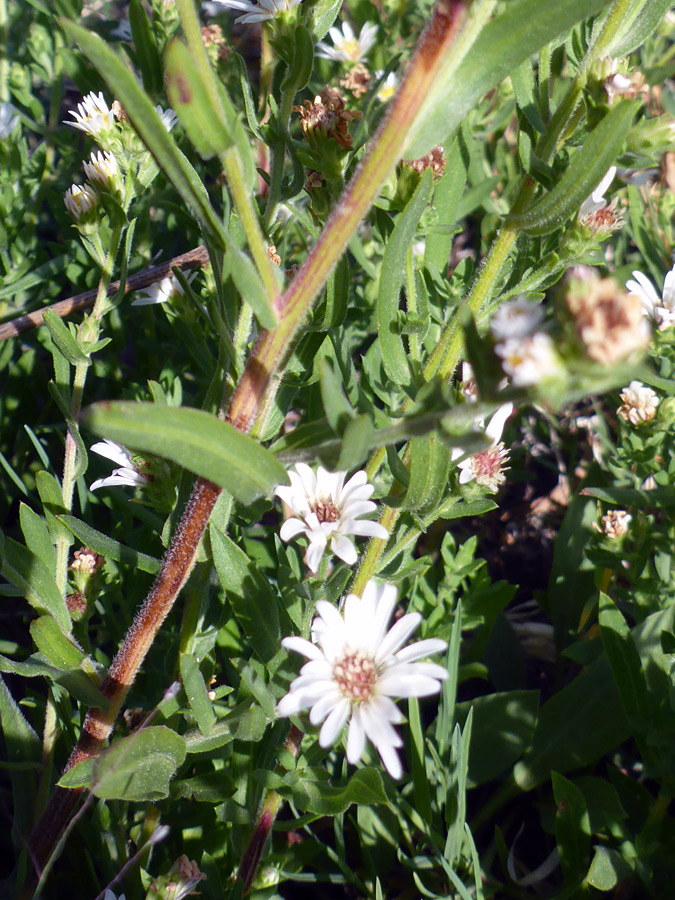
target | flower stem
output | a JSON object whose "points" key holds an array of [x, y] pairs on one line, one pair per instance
{"points": [[87, 335], [277, 160]]}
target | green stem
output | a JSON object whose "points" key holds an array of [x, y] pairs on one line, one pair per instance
{"points": [[230, 158], [277, 161], [88, 334]]}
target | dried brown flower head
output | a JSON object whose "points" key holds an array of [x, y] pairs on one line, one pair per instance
{"points": [[273, 255], [357, 80], [327, 115], [86, 561], [212, 34], [608, 321], [433, 160]]}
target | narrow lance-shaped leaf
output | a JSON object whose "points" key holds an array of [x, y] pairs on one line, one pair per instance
{"points": [[150, 128], [190, 100], [624, 659], [585, 171], [522, 29], [194, 439], [394, 355]]}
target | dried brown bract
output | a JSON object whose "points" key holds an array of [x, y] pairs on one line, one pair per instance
{"points": [[433, 160], [327, 115]]}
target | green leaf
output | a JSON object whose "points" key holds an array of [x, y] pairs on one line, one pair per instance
{"points": [[50, 640], [248, 283], [79, 684], [337, 295], [196, 693], [521, 30], [625, 661], [22, 745], [392, 275], [324, 13], [638, 25], [138, 767], [660, 496], [316, 795], [106, 546], [49, 490], [150, 128], [252, 600], [607, 869], [337, 407], [146, 49], [190, 100], [37, 537], [503, 726], [447, 193], [303, 61], [194, 439], [357, 440], [24, 570], [586, 170], [247, 723], [430, 460], [572, 828], [64, 340]]}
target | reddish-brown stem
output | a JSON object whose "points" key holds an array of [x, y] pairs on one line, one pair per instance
{"points": [[197, 257]]}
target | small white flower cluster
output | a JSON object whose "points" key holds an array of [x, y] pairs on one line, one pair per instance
{"points": [[325, 509], [638, 404], [127, 475], [262, 11], [615, 523], [347, 47], [356, 665], [487, 467], [661, 309], [161, 291], [528, 353], [8, 120]]}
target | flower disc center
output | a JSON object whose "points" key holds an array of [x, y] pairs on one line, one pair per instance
{"points": [[325, 509], [356, 676]]}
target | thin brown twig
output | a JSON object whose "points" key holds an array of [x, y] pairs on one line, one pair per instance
{"points": [[193, 258]]}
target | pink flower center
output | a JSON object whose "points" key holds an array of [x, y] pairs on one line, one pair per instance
{"points": [[356, 676], [325, 509]]}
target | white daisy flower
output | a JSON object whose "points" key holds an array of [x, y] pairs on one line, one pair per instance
{"points": [[661, 309], [101, 169], [262, 11], [346, 46], [528, 360], [487, 467], [79, 199], [388, 87], [93, 115], [596, 201], [516, 319], [355, 668], [161, 291], [168, 117], [638, 403], [127, 474], [8, 120], [326, 509]]}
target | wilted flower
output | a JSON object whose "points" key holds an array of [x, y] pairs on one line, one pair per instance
{"points": [[661, 309], [599, 217], [357, 80], [356, 666], [615, 523], [93, 115], [638, 403], [8, 119], [433, 160], [102, 169], [516, 319], [161, 291], [326, 117], [261, 11], [79, 200], [86, 561], [128, 474], [388, 87], [608, 321], [326, 510], [530, 359], [346, 46], [487, 467]]}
